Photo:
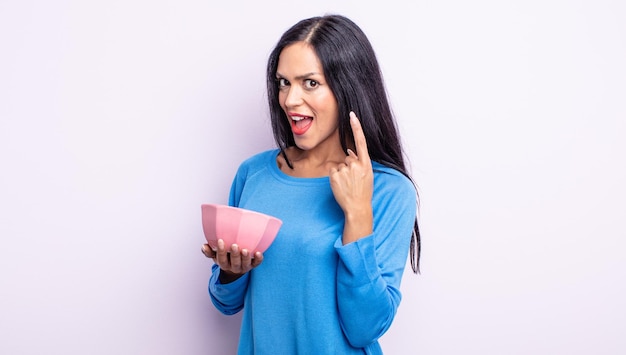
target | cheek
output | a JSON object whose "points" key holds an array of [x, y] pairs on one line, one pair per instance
{"points": [[328, 104]]}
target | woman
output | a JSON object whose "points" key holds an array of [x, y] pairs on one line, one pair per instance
{"points": [[330, 281]]}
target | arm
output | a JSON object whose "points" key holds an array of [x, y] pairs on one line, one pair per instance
{"points": [[227, 298], [370, 269], [372, 251], [229, 278]]}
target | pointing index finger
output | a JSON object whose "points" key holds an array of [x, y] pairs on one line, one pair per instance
{"points": [[359, 137]]}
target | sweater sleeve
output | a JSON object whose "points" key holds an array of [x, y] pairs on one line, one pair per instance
{"points": [[229, 298], [370, 269]]}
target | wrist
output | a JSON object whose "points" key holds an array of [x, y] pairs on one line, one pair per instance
{"points": [[358, 224], [227, 277]]}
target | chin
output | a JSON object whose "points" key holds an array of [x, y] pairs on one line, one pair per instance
{"points": [[302, 147]]}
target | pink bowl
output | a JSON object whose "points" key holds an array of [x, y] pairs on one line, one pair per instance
{"points": [[250, 230]]}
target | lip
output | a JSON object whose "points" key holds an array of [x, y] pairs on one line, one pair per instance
{"points": [[295, 114], [298, 131]]}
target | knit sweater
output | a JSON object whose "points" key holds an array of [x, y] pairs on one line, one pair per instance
{"points": [[312, 294]]}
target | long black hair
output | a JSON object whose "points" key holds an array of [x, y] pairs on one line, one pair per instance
{"points": [[353, 74]]}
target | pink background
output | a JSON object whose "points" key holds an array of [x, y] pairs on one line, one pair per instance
{"points": [[119, 118]]}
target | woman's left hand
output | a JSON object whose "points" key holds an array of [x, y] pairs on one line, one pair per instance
{"points": [[352, 183]]}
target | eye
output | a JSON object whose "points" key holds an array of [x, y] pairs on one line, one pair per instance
{"points": [[282, 82], [311, 84]]}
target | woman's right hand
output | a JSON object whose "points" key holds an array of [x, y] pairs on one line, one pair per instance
{"points": [[233, 263]]}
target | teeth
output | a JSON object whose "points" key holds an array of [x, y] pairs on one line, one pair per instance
{"points": [[297, 118]]}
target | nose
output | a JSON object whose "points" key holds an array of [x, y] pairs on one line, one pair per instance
{"points": [[293, 96]]}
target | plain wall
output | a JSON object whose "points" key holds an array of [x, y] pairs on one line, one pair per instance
{"points": [[119, 118]]}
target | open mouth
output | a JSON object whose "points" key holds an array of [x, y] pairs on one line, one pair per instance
{"points": [[300, 123]]}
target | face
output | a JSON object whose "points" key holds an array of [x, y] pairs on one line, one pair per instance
{"points": [[307, 100]]}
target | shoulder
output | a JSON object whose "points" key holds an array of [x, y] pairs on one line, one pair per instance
{"points": [[261, 158], [385, 176], [395, 195], [393, 187], [258, 161]]}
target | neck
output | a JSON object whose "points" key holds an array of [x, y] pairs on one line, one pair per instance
{"points": [[311, 163]]}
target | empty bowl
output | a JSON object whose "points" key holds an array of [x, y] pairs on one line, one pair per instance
{"points": [[248, 229]]}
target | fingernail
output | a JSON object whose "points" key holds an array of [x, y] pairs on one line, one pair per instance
{"points": [[350, 152], [244, 252], [234, 248], [220, 243]]}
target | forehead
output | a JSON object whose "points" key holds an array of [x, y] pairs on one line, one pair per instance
{"points": [[297, 59]]}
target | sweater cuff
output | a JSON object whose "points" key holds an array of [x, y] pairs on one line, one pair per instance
{"points": [[227, 293], [357, 262]]}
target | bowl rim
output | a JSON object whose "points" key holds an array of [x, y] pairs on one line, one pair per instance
{"points": [[243, 210]]}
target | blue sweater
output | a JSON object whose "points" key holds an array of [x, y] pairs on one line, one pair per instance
{"points": [[311, 294]]}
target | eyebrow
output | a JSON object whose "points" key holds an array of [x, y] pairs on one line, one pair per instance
{"points": [[299, 77]]}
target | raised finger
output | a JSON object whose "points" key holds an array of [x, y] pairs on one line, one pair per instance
{"points": [[359, 138]]}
